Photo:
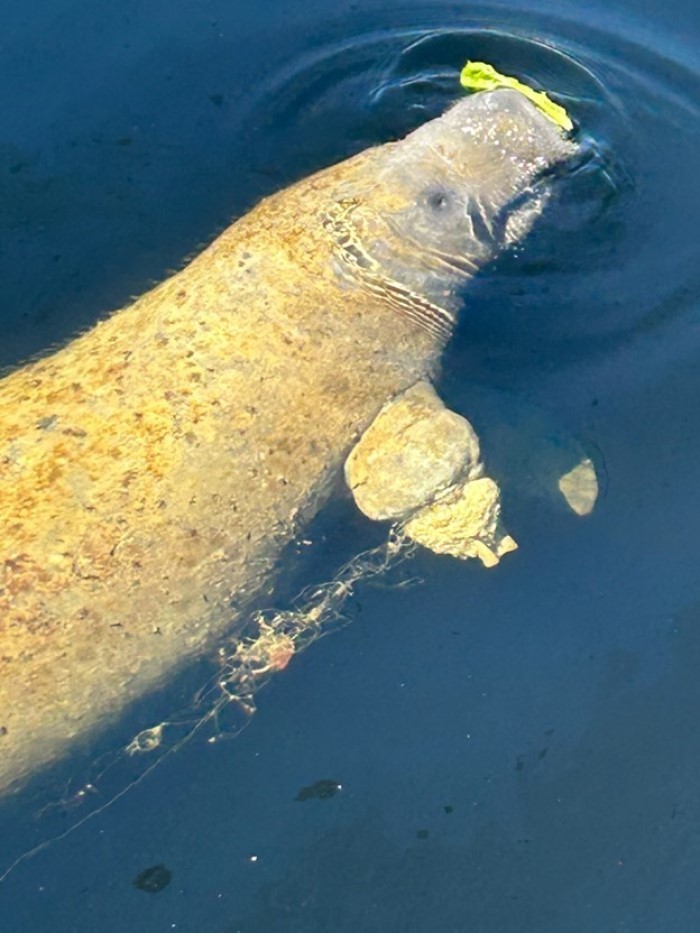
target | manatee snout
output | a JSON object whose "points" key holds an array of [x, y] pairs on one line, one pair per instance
{"points": [[460, 189]]}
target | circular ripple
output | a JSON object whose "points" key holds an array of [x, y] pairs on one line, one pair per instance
{"points": [[615, 257]]}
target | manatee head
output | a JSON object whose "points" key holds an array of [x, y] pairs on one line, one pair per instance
{"points": [[448, 198]]}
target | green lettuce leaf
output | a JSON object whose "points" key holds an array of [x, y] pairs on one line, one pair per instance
{"points": [[479, 76]]}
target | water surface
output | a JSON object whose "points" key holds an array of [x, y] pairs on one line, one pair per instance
{"points": [[517, 748]]}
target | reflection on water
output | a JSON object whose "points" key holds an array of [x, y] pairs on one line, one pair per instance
{"points": [[516, 750]]}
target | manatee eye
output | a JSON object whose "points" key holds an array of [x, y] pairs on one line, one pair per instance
{"points": [[438, 200]]}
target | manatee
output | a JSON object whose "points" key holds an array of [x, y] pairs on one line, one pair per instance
{"points": [[152, 470]]}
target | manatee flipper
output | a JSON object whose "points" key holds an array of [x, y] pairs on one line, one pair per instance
{"points": [[579, 487], [419, 464], [530, 454], [465, 521]]}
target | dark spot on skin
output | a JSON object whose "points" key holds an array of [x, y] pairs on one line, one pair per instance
{"points": [[153, 879], [422, 834], [321, 790], [45, 424], [520, 763], [124, 141], [128, 478], [541, 754], [3, 730], [448, 809], [216, 99]]}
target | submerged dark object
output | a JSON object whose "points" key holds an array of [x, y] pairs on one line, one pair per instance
{"points": [[153, 879], [321, 790]]}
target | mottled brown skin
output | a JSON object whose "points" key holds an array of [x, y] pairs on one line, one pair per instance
{"points": [[151, 470]]}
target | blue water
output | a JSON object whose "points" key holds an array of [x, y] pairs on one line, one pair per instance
{"points": [[518, 749]]}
